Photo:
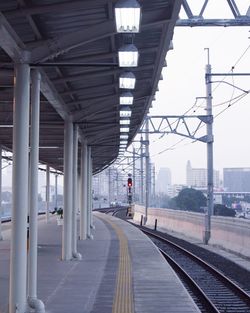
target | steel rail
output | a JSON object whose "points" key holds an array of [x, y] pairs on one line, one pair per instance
{"points": [[229, 284], [205, 301]]}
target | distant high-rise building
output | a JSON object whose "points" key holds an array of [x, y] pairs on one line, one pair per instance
{"points": [[163, 180], [236, 179], [197, 177]]}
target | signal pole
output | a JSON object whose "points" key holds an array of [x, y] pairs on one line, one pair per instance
{"points": [[130, 184], [147, 170]]}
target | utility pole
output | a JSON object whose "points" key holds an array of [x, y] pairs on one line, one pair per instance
{"points": [[150, 183], [147, 170], [134, 173], [153, 182], [141, 172], [210, 195]]}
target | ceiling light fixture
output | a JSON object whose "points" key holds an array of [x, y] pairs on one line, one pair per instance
{"points": [[128, 56], [127, 80], [126, 98], [124, 136], [127, 16], [124, 121], [124, 129], [125, 111]]}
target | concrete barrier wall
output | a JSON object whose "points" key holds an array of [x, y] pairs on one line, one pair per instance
{"points": [[229, 233]]}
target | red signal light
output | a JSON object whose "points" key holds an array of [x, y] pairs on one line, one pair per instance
{"points": [[130, 183]]}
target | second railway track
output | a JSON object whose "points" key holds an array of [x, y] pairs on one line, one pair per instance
{"points": [[223, 294]]}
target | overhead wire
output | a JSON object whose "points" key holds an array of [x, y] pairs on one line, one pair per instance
{"points": [[232, 98]]}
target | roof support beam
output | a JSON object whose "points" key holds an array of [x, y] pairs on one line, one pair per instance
{"points": [[51, 94], [10, 42], [79, 115], [56, 46], [59, 7], [16, 50], [94, 74]]}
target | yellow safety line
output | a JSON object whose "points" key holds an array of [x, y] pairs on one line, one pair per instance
{"points": [[123, 300]]}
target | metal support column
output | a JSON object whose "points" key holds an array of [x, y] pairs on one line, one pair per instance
{"points": [[117, 185], [109, 186], [84, 182], [141, 172], [18, 254], [56, 190], [89, 195], [210, 195], [67, 191], [75, 254], [33, 192], [134, 181], [47, 192], [147, 171], [1, 209]]}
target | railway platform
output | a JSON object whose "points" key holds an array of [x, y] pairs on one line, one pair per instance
{"points": [[121, 271]]}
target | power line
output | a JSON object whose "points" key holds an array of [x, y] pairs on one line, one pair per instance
{"points": [[232, 98]]}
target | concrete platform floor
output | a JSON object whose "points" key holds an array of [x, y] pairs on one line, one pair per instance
{"points": [[92, 284]]}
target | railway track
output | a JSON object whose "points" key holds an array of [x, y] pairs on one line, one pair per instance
{"points": [[211, 290], [115, 211]]}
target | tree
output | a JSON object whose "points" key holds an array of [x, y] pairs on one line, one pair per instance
{"points": [[162, 200], [190, 199], [172, 203]]}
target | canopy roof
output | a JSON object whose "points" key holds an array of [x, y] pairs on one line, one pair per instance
{"points": [[75, 46]]}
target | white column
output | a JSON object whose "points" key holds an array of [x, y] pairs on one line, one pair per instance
{"points": [[84, 183], [1, 209], [47, 191], [75, 194], [18, 256], [67, 191], [33, 192], [56, 186], [89, 195]]}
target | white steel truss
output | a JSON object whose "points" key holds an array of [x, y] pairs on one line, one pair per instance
{"points": [[192, 20]]}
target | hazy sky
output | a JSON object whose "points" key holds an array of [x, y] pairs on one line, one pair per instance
{"points": [[184, 81]]}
